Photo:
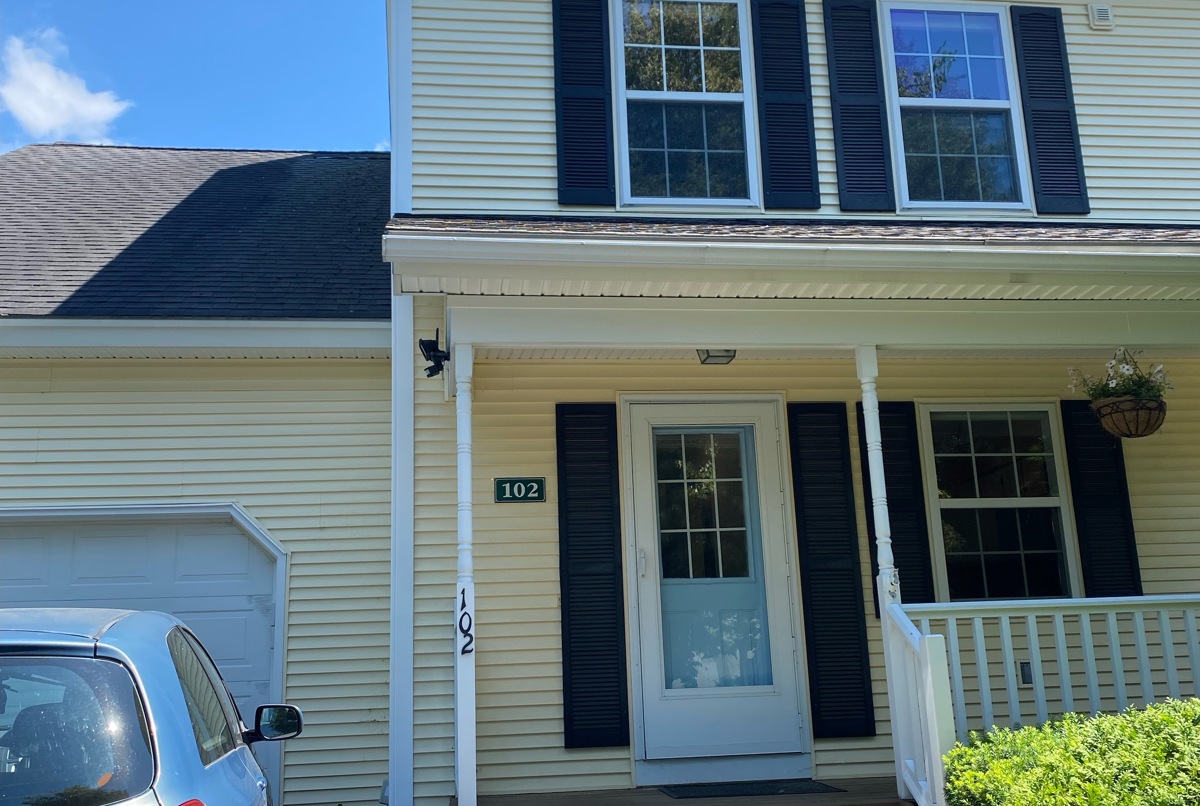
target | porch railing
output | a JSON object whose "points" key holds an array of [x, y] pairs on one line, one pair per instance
{"points": [[922, 721], [1023, 662]]}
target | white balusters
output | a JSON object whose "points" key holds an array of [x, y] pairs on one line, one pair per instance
{"points": [[1034, 640]]}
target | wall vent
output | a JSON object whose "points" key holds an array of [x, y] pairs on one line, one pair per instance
{"points": [[1100, 16]]}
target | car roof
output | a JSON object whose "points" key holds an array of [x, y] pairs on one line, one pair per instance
{"points": [[78, 622]]}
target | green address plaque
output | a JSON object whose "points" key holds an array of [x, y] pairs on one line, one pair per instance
{"points": [[511, 491]]}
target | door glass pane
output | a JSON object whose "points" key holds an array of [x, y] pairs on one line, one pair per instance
{"points": [[712, 594]]}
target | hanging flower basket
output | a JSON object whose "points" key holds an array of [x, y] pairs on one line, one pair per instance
{"points": [[1128, 400], [1130, 417]]}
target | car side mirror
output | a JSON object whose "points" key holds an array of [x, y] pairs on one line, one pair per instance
{"points": [[274, 723]]}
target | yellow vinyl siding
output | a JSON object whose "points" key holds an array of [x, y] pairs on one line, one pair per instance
{"points": [[484, 129], [516, 545], [303, 447]]}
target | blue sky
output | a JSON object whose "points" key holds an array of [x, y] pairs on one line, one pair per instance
{"points": [[269, 74]]}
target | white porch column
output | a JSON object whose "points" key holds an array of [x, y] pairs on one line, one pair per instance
{"points": [[464, 606], [400, 677], [888, 582]]}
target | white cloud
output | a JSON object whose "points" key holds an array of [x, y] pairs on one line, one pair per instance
{"points": [[50, 102], [383, 145]]}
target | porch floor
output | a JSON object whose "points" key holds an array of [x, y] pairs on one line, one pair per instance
{"points": [[858, 792]]}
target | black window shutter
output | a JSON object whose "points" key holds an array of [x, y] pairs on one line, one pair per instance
{"points": [[905, 498], [1055, 156], [785, 117], [839, 666], [1100, 498], [860, 117], [595, 699], [583, 99]]}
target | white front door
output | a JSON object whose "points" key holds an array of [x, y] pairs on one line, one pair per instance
{"points": [[716, 656]]}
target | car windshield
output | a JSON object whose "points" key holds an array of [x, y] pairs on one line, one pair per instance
{"points": [[72, 731]]}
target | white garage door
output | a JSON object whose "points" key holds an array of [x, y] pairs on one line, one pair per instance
{"points": [[208, 573]]}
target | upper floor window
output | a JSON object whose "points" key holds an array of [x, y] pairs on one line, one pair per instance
{"points": [[952, 93], [997, 503], [684, 119]]}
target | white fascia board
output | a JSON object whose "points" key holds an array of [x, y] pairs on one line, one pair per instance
{"points": [[704, 260], [558, 323], [198, 338]]}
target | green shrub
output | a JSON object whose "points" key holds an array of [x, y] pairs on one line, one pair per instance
{"points": [[1147, 757]]}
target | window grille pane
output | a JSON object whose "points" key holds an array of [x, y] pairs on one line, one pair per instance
{"points": [[702, 505], [676, 564], [701, 152], [720, 25], [965, 575], [643, 23], [735, 557], [722, 71], [972, 157], [672, 505], [681, 24], [955, 477], [983, 35], [1004, 575], [684, 72], [909, 34], [643, 69]]}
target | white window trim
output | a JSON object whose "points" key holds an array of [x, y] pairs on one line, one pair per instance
{"points": [[937, 554], [894, 104], [748, 100]]}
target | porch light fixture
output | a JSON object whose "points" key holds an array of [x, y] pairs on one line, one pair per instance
{"points": [[433, 353], [716, 356]]}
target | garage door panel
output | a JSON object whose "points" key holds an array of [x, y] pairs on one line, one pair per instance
{"points": [[124, 557], [209, 574], [34, 569]]}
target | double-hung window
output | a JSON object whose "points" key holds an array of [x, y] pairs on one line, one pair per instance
{"points": [[685, 118], [997, 504], [957, 131]]}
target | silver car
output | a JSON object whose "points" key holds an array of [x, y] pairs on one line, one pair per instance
{"points": [[122, 707]]}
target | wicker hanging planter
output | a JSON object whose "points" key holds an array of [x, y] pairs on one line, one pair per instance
{"points": [[1130, 417]]}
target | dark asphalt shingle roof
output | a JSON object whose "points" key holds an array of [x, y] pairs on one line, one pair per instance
{"points": [[105, 231], [982, 233]]}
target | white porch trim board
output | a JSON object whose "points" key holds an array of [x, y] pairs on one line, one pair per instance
{"points": [[465, 738], [400, 672], [815, 324]]}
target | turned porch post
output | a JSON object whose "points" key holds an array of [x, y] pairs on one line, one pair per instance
{"points": [[888, 581]]}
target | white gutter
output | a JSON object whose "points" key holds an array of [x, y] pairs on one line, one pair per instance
{"points": [[58, 337]]}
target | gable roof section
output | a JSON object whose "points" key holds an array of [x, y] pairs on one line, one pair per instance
{"points": [[147, 233]]}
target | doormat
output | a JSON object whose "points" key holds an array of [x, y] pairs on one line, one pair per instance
{"points": [[743, 789]]}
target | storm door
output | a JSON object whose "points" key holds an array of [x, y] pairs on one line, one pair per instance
{"points": [[717, 653]]}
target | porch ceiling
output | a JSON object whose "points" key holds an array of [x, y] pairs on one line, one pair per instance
{"points": [[751, 259]]}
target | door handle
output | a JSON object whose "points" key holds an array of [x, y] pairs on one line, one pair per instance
{"points": [[641, 562]]}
